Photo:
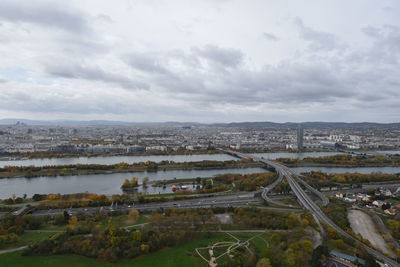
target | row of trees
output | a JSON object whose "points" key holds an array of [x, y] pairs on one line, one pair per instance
{"points": [[320, 179], [246, 182], [129, 184], [289, 249], [267, 219], [344, 160], [72, 169]]}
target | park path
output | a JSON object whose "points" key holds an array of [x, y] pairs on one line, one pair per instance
{"points": [[12, 249]]}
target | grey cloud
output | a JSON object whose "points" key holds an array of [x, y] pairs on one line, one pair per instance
{"points": [[289, 83], [3, 80], [194, 79], [223, 56], [146, 62], [164, 63], [84, 104], [318, 40], [371, 32], [75, 71], [48, 14], [270, 36], [105, 18], [387, 39], [340, 79]]}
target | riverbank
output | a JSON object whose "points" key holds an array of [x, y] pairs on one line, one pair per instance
{"points": [[344, 161], [49, 155], [82, 169]]}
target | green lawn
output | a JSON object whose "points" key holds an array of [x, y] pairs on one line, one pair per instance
{"points": [[28, 238], [51, 226], [124, 220], [31, 237], [182, 255]]}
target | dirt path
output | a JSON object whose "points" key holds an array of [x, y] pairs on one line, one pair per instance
{"points": [[12, 249], [363, 224]]}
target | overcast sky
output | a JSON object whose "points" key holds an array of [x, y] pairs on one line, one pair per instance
{"points": [[203, 61]]}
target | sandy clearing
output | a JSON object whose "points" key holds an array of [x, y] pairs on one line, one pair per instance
{"points": [[363, 224]]}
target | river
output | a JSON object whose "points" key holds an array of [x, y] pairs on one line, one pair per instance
{"points": [[158, 158], [102, 183], [114, 159], [110, 183]]}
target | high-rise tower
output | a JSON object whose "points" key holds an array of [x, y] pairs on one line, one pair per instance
{"points": [[300, 137]]}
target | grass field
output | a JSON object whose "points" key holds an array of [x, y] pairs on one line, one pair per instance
{"points": [[182, 255], [124, 220], [29, 238]]}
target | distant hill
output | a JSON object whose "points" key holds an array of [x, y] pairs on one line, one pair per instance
{"points": [[317, 124], [263, 124], [93, 123]]}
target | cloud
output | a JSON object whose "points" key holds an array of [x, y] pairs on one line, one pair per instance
{"points": [[318, 40], [386, 41], [270, 36], [92, 73], [285, 83], [48, 14], [225, 57], [146, 62], [105, 60]]}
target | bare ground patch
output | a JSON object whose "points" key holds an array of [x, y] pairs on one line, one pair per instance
{"points": [[363, 224]]}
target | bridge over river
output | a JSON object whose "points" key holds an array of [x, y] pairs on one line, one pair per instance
{"points": [[305, 200]]}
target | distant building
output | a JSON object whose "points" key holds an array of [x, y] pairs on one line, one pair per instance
{"points": [[73, 131], [390, 211], [135, 148], [397, 192], [341, 259], [238, 145], [300, 136], [330, 145]]}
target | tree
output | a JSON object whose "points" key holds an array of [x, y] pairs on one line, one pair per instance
{"points": [[59, 219], [319, 255], [66, 216], [386, 206], [134, 214], [37, 197], [73, 222], [144, 248], [264, 262], [145, 181], [129, 184], [292, 221]]}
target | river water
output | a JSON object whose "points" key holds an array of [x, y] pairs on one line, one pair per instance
{"points": [[114, 159], [102, 183], [110, 183], [155, 158]]}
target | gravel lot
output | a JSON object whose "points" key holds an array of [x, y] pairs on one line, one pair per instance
{"points": [[363, 224]]}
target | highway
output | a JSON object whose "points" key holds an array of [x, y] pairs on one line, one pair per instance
{"points": [[241, 200], [309, 204], [236, 199]]}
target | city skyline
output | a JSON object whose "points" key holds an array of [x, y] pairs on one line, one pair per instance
{"points": [[225, 61]]}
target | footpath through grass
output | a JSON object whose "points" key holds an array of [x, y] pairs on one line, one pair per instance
{"points": [[28, 238], [183, 255]]}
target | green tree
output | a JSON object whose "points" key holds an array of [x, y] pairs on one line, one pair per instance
{"points": [[264, 262]]}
